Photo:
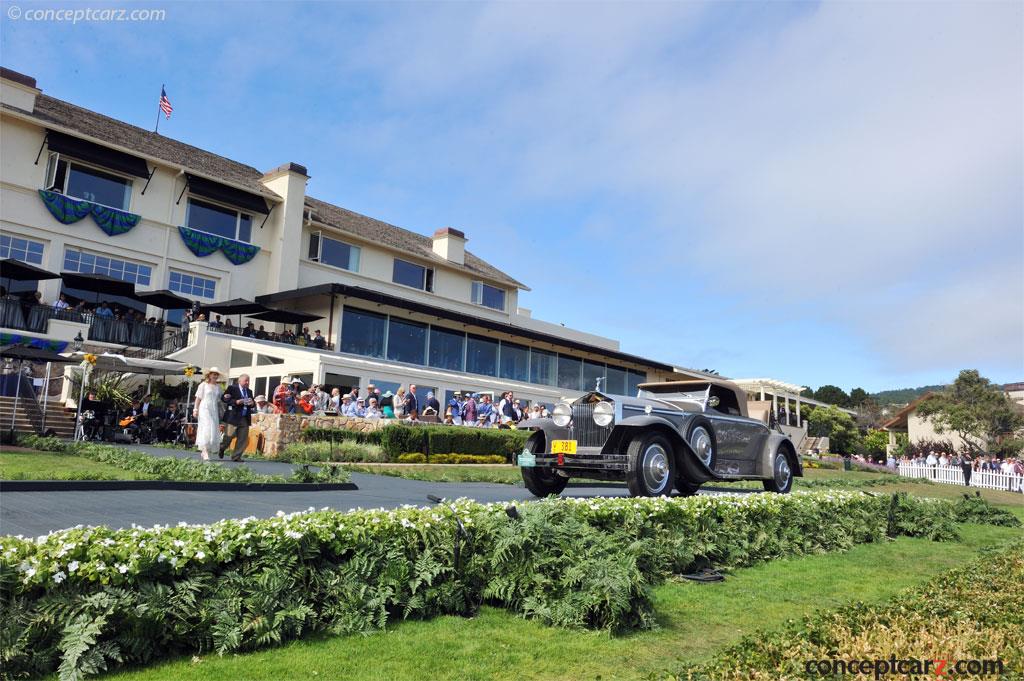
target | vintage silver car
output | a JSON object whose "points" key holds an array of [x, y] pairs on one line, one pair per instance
{"points": [[675, 434]]}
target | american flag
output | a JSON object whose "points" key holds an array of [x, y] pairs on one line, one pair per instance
{"points": [[165, 104]]}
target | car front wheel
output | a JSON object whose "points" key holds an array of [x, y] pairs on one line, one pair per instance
{"points": [[650, 465], [782, 474]]}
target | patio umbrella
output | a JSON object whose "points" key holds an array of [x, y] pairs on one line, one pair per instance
{"points": [[164, 299], [23, 271], [287, 317], [23, 354], [99, 283], [238, 306]]}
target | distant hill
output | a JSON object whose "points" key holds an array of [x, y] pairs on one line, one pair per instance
{"points": [[903, 395]]}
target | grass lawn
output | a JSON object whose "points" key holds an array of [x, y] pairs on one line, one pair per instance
{"points": [[696, 620], [27, 464]]}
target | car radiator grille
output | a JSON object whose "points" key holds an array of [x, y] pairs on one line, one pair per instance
{"points": [[584, 430]]}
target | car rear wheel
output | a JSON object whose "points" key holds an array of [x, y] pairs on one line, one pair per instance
{"points": [[685, 487], [781, 481], [650, 465], [543, 481]]}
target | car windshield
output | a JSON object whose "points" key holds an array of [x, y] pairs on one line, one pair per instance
{"points": [[696, 397]]}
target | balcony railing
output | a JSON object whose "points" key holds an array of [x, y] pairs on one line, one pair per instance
{"points": [[36, 318]]}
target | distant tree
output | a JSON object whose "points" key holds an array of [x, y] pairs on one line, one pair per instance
{"points": [[873, 444], [838, 426], [832, 394], [869, 415], [858, 396], [978, 411]]}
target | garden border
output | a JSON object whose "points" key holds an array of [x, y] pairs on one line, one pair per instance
{"points": [[179, 485]]}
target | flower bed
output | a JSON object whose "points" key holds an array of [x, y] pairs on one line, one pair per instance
{"points": [[85, 599], [170, 468]]}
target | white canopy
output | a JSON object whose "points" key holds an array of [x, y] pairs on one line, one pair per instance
{"points": [[109, 361]]}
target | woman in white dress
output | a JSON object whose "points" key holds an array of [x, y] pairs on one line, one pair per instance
{"points": [[207, 411]]}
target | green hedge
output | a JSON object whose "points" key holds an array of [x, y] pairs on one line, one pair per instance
{"points": [[399, 439], [86, 599]]}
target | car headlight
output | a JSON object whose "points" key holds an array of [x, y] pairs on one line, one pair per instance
{"points": [[604, 414], [561, 414]]}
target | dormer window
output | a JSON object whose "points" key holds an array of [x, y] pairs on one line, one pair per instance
{"points": [[82, 181], [488, 296], [220, 220]]}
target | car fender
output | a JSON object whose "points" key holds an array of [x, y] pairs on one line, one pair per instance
{"points": [[687, 461], [771, 446], [546, 428]]}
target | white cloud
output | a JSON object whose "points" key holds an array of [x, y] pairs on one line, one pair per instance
{"points": [[858, 156]]}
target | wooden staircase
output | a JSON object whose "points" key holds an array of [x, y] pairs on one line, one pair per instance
{"points": [[28, 417]]}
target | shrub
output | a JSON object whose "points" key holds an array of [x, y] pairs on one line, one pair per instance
{"points": [[347, 450], [402, 438], [412, 457], [87, 598]]}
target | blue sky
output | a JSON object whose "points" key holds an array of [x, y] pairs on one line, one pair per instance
{"points": [[818, 193]]}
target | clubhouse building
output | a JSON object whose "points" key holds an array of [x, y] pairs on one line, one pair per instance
{"points": [[84, 194]]}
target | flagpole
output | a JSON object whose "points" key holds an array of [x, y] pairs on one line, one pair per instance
{"points": [[158, 111]]}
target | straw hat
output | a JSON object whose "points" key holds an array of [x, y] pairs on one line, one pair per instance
{"points": [[211, 370]]}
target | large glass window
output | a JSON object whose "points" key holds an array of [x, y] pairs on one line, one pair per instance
{"points": [[515, 362], [569, 372], [481, 356], [93, 263], [362, 333], [616, 381], [411, 274], [192, 285], [407, 341], [214, 219], [542, 367], [24, 250], [634, 379], [488, 296], [591, 372], [71, 178], [332, 252], [447, 349]]}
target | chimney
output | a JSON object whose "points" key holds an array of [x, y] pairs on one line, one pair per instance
{"points": [[18, 90], [450, 244]]}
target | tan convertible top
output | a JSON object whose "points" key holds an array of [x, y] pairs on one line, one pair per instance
{"points": [[730, 394]]}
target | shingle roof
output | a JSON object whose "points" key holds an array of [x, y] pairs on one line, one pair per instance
{"points": [[51, 111], [388, 235]]}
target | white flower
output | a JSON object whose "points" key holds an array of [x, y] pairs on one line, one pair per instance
{"points": [[161, 558], [122, 568], [293, 535], [59, 576], [29, 573], [200, 555], [72, 566]]}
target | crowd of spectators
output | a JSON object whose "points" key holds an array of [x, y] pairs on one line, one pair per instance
{"points": [[315, 339], [464, 408], [968, 465]]}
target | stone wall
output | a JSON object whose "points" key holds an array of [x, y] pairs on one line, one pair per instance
{"points": [[278, 430]]}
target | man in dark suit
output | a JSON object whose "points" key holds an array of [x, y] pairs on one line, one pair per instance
{"points": [[237, 416]]}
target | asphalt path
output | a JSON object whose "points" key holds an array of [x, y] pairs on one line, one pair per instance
{"points": [[36, 513]]}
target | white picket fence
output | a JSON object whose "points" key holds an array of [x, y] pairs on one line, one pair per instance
{"points": [[954, 475]]}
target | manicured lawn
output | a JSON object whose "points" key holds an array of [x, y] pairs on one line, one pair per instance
{"points": [[27, 464], [696, 620]]}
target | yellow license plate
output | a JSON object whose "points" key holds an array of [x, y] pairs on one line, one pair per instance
{"points": [[563, 446]]}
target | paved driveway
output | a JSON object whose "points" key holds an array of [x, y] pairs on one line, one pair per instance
{"points": [[35, 513]]}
